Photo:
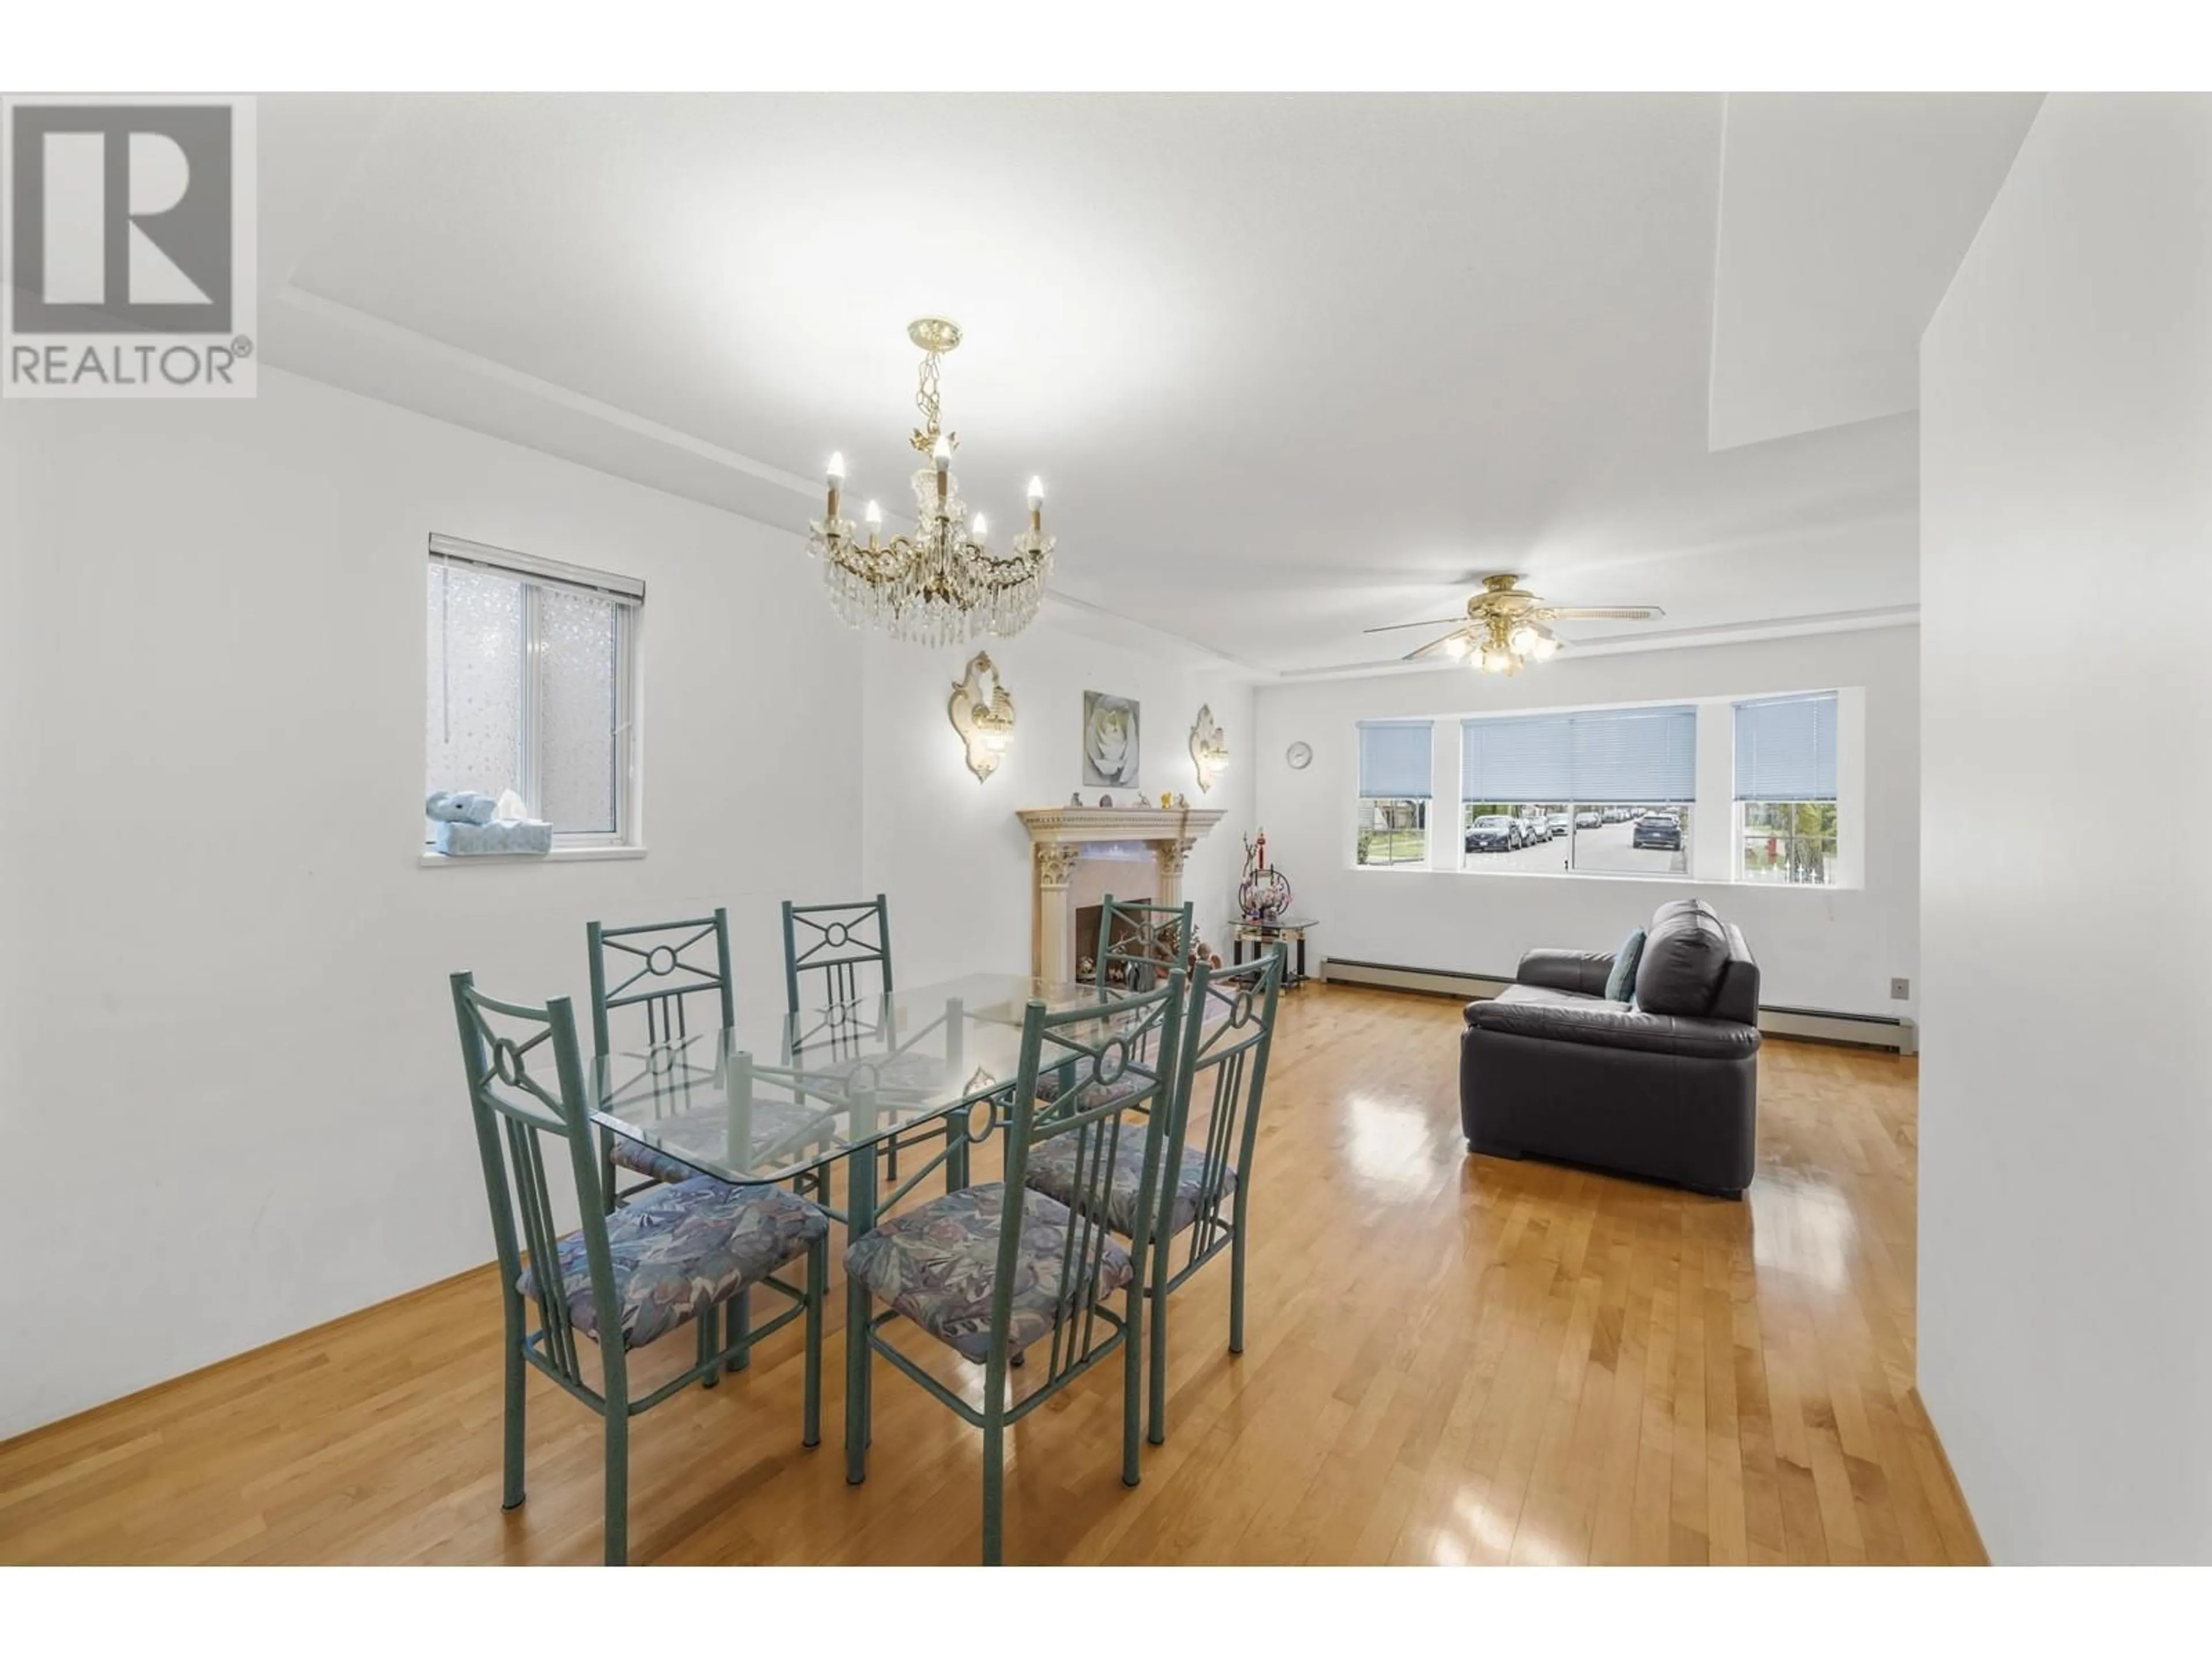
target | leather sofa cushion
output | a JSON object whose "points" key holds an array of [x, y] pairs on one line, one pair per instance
{"points": [[1546, 996], [1532, 996], [1620, 983], [1585, 971], [1597, 1024], [1685, 955]]}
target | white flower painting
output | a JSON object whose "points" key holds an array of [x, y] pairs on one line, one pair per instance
{"points": [[1109, 740]]}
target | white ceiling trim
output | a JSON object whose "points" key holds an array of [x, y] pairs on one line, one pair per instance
{"points": [[298, 301], [1682, 639]]}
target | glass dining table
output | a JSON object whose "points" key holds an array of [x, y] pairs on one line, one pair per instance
{"points": [[777, 1097]]}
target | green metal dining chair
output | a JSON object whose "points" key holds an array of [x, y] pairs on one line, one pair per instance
{"points": [[674, 1062], [623, 1279], [1204, 1186], [996, 1269], [837, 941], [1139, 943], [847, 946], [657, 968]]}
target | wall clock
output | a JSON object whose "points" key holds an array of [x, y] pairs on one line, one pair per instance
{"points": [[1300, 756]]}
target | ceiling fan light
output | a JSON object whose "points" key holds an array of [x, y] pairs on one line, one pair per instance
{"points": [[1522, 639], [1496, 660], [1455, 647], [1545, 647]]}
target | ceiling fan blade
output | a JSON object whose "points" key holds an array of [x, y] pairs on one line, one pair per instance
{"points": [[1434, 646], [1605, 612], [1433, 621]]}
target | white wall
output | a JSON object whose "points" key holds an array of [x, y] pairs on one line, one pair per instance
{"points": [[232, 1074], [951, 853], [2066, 1146], [1834, 949]]}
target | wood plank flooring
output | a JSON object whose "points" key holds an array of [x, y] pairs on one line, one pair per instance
{"points": [[1449, 1360]]}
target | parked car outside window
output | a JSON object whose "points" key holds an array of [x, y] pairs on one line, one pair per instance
{"points": [[1494, 833]]}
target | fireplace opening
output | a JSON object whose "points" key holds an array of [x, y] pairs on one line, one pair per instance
{"points": [[1087, 918]]}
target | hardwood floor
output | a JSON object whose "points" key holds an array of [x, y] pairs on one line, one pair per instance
{"points": [[1450, 1360]]}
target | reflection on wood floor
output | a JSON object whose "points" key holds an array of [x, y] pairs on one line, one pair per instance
{"points": [[1450, 1360]]}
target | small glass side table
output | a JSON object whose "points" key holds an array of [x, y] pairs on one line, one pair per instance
{"points": [[1263, 936]]}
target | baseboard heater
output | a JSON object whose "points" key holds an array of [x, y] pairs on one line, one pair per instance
{"points": [[1807, 1024]]}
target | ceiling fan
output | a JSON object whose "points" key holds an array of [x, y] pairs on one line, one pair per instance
{"points": [[1507, 627]]}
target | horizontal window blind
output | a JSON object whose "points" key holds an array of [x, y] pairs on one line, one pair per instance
{"points": [[547, 572], [1632, 756], [1530, 760], [1785, 748], [1393, 759]]}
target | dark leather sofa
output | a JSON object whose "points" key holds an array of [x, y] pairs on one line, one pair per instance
{"points": [[1667, 1088]]}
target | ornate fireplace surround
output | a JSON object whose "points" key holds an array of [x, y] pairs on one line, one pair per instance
{"points": [[1059, 836]]}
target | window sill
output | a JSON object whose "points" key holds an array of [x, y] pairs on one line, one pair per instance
{"points": [[558, 855]]}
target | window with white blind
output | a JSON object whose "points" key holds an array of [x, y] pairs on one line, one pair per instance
{"points": [[1393, 826], [1785, 789], [532, 685], [1602, 790]]}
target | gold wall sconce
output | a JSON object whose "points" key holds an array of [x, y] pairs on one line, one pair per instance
{"points": [[1209, 748], [982, 712]]}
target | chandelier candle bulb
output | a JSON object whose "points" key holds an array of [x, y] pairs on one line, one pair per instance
{"points": [[982, 527], [836, 481]]}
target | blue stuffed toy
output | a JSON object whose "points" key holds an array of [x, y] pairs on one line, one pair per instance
{"points": [[461, 806]]}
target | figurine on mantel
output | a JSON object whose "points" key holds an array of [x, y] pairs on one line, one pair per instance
{"points": [[1075, 798]]}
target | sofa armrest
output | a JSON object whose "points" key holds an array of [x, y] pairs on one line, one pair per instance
{"points": [[1613, 1025], [1583, 971]]}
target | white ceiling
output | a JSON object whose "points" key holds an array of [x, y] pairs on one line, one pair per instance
{"points": [[1843, 215], [1291, 366]]}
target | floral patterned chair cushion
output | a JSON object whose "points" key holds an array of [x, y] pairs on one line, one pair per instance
{"points": [[1124, 1088], [636, 1155], [777, 1124], [936, 1264], [680, 1251], [1052, 1169]]}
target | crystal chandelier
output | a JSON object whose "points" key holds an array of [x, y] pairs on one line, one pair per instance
{"points": [[942, 584]]}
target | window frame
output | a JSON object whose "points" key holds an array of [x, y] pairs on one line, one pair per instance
{"points": [[1424, 804], [1741, 833], [626, 598], [1576, 805], [1712, 825]]}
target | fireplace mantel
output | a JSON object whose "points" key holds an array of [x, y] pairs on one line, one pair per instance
{"points": [[1058, 836]]}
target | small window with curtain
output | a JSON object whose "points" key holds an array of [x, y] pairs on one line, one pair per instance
{"points": [[1785, 789], [1393, 792], [1604, 791], [531, 687]]}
